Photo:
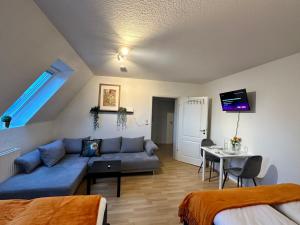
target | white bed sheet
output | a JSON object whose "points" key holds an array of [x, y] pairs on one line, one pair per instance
{"points": [[101, 211], [252, 215], [291, 210]]}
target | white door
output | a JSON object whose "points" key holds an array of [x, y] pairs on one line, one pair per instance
{"points": [[170, 124], [192, 128]]}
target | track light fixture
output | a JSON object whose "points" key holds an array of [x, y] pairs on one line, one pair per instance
{"points": [[122, 56]]}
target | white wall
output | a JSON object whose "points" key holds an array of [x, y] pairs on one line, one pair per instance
{"points": [[75, 120], [272, 131], [28, 137]]}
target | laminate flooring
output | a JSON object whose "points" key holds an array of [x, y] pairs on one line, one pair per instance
{"points": [[148, 199]]}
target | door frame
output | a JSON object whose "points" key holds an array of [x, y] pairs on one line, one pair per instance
{"points": [[176, 152], [175, 125], [170, 135]]}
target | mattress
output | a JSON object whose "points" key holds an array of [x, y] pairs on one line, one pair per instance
{"points": [[291, 210], [101, 212], [258, 215]]}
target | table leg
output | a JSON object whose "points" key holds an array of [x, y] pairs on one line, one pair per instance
{"points": [[119, 186], [88, 188], [204, 166], [221, 173]]}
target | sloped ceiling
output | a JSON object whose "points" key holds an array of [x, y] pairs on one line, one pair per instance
{"points": [[176, 40], [29, 44]]}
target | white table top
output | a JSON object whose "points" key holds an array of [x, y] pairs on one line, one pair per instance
{"points": [[220, 153]]}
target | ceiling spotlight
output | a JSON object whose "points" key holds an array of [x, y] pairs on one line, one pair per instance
{"points": [[124, 51], [122, 57]]}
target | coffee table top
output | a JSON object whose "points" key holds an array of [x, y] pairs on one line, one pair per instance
{"points": [[111, 166]]}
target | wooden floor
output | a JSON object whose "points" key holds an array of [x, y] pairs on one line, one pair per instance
{"points": [[148, 199]]}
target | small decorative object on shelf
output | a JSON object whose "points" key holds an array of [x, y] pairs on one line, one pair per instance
{"points": [[6, 120], [122, 118], [236, 143], [94, 111]]}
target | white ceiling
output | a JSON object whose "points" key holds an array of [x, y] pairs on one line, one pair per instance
{"points": [[177, 40]]}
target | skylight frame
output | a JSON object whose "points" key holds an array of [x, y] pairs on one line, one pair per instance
{"points": [[28, 94], [38, 94]]}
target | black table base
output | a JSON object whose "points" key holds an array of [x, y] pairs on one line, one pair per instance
{"points": [[104, 169]]}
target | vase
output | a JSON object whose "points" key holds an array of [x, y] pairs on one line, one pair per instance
{"points": [[7, 124], [236, 146]]}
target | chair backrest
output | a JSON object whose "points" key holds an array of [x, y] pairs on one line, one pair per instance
{"points": [[206, 143], [251, 167]]}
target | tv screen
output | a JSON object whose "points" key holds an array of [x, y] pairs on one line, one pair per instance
{"points": [[235, 101]]}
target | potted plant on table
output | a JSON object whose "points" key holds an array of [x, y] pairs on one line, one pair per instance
{"points": [[236, 143], [6, 120]]}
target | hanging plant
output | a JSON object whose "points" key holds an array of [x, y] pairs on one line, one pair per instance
{"points": [[122, 118], [94, 111]]}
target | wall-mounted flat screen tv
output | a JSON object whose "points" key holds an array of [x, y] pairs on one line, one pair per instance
{"points": [[235, 100]]}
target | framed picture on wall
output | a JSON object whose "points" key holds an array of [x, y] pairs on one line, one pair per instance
{"points": [[109, 97]]}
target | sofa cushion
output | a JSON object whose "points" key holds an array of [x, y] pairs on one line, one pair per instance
{"points": [[130, 145], [150, 147], [90, 148], [74, 145], [131, 162], [61, 179], [52, 153], [110, 145], [29, 161]]}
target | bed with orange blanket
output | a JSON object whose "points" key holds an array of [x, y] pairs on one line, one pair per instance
{"points": [[202, 208], [68, 210]]}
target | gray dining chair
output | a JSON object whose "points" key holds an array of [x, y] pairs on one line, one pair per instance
{"points": [[249, 170], [208, 157]]}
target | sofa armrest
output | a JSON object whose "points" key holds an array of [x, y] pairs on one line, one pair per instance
{"points": [[150, 147]]}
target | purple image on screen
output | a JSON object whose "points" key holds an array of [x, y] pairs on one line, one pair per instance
{"points": [[235, 101]]}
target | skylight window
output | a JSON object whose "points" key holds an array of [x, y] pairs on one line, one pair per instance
{"points": [[38, 94]]}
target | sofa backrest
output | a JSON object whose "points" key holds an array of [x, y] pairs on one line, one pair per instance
{"points": [[132, 145], [29, 161], [74, 145], [111, 145]]}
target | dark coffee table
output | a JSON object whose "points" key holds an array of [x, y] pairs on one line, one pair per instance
{"points": [[103, 169]]}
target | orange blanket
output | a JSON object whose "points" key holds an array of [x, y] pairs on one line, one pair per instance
{"points": [[70, 210], [200, 208]]}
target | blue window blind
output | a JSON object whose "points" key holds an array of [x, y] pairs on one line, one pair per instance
{"points": [[28, 94], [36, 96]]}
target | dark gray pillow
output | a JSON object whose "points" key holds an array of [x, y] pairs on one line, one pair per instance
{"points": [[52, 153], [150, 147], [110, 145], [132, 145], [29, 161], [74, 145], [90, 148]]}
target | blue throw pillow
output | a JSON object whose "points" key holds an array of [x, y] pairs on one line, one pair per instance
{"points": [[52, 153], [29, 161], [130, 145], [74, 145], [90, 148]]}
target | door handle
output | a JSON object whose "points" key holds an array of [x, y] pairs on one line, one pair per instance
{"points": [[203, 131]]}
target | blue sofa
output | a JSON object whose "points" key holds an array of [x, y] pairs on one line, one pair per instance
{"points": [[38, 179]]}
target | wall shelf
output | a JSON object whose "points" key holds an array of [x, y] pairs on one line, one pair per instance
{"points": [[113, 112]]}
